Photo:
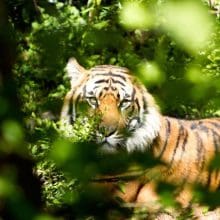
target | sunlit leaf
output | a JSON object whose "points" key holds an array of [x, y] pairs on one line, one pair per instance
{"points": [[194, 75], [188, 22], [217, 113], [45, 217], [166, 193], [12, 132], [135, 15], [62, 150], [150, 73], [6, 187]]}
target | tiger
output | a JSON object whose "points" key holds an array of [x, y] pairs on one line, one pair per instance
{"points": [[185, 147]]}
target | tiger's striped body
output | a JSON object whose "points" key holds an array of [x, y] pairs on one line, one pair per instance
{"points": [[185, 147]]}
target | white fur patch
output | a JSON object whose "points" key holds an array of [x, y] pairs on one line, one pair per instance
{"points": [[114, 139], [75, 72], [143, 136], [110, 143]]}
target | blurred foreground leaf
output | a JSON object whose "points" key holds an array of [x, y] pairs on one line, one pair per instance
{"points": [[12, 132], [136, 15], [189, 23], [150, 73]]}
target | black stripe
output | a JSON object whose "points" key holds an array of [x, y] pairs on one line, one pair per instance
{"points": [[200, 155], [117, 75], [185, 140], [217, 125], [138, 104], [216, 137], [70, 110], [133, 94], [100, 94], [75, 105], [117, 81], [209, 179], [112, 74], [167, 137], [200, 151], [101, 81], [181, 130], [84, 91], [216, 175], [145, 103], [216, 140], [106, 88], [91, 93]]}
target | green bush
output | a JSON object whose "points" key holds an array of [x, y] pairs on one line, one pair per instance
{"points": [[172, 46]]}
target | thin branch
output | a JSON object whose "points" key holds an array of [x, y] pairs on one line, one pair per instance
{"points": [[36, 7]]}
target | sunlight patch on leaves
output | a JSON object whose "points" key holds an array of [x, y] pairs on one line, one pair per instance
{"points": [[135, 15], [150, 73], [189, 23]]}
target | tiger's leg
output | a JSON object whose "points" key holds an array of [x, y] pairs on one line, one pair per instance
{"points": [[147, 196], [149, 200], [184, 196], [144, 199], [128, 190]]}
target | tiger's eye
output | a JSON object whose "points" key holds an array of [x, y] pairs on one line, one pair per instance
{"points": [[125, 104], [92, 101]]}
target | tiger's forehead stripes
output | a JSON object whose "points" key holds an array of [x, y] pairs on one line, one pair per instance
{"points": [[112, 75], [112, 79], [111, 71], [109, 81]]}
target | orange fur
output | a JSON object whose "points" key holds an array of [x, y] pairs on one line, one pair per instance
{"points": [[185, 147]]}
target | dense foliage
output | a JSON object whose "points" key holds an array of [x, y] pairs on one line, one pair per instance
{"points": [[172, 46]]}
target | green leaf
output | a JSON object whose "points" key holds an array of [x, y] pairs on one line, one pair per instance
{"points": [[12, 132], [188, 22], [135, 15], [150, 73]]}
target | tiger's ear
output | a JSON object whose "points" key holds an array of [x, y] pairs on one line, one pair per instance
{"points": [[75, 72]]}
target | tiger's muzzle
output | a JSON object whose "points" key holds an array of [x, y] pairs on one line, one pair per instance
{"points": [[111, 117], [111, 120]]}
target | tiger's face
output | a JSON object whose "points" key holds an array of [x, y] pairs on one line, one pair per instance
{"points": [[129, 116]]}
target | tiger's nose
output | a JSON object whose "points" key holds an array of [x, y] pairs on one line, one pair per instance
{"points": [[110, 114], [108, 130], [111, 122]]}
